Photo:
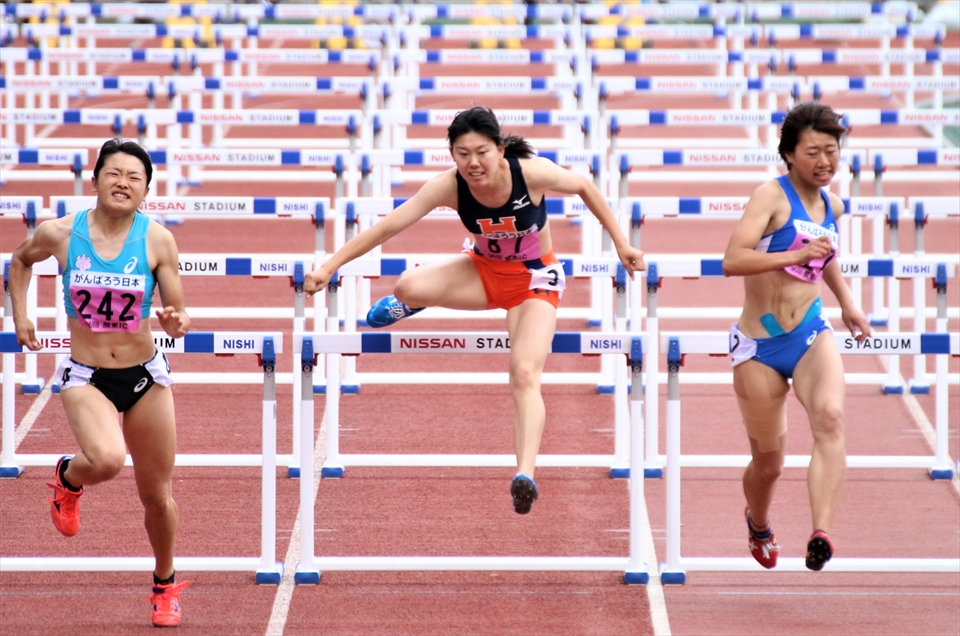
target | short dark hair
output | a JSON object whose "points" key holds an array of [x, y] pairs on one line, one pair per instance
{"points": [[482, 120], [815, 115], [131, 148]]}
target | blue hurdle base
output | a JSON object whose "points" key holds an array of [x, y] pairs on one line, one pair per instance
{"points": [[918, 389], [32, 389], [877, 321], [609, 389], [672, 578], [594, 322], [331, 472], [293, 472], [10, 472], [55, 389], [307, 578], [345, 389], [636, 578], [270, 578], [648, 473], [941, 473], [893, 390]]}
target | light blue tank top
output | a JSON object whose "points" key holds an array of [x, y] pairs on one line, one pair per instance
{"points": [[124, 272]]}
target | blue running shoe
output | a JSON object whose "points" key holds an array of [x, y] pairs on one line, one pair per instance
{"points": [[524, 491], [387, 311]]}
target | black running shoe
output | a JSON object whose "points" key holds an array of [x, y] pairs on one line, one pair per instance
{"points": [[819, 550], [524, 491]]}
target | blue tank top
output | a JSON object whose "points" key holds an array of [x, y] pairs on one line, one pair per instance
{"points": [[108, 295], [510, 232], [800, 230]]}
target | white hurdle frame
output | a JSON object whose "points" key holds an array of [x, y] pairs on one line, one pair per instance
{"points": [[360, 213], [855, 267], [715, 343], [634, 566], [345, 383], [266, 345], [175, 209], [923, 209]]}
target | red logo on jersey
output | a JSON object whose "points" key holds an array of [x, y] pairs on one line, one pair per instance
{"points": [[506, 224]]}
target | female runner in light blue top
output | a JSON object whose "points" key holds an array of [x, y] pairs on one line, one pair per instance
{"points": [[784, 246], [112, 256]]}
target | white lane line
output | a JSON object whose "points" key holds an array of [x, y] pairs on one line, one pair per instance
{"points": [[32, 414], [281, 602], [659, 617]]}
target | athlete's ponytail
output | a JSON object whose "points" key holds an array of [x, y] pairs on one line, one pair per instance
{"points": [[482, 121], [517, 146]]}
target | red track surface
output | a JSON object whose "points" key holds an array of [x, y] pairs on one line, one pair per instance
{"points": [[463, 511]]}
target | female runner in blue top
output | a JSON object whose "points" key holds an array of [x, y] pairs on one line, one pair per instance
{"points": [[497, 188], [112, 257], [783, 246]]}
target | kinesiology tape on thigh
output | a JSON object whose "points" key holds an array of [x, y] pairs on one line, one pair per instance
{"points": [[764, 410], [766, 431]]}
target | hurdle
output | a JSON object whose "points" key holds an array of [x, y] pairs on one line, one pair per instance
{"points": [[76, 159], [692, 266], [30, 209], [922, 210], [940, 466], [176, 209], [265, 346], [344, 172], [177, 85], [389, 127], [366, 209], [405, 89], [884, 210], [310, 567], [147, 120], [766, 161], [576, 267], [174, 158]]}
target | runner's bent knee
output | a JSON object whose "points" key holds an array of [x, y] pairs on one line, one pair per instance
{"points": [[768, 466], [826, 421], [105, 463], [158, 500]]}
